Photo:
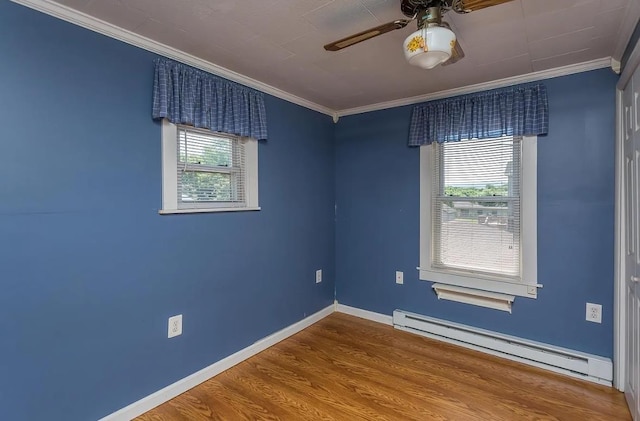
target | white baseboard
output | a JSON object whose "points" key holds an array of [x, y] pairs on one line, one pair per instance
{"points": [[365, 314], [163, 395]]}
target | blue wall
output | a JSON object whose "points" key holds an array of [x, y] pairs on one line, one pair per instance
{"points": [[90, 272], [377, 228]]}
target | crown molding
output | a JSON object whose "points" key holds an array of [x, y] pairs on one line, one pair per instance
{"points": [[501, 83], [91, 23], [96, 25], [616, 66]]}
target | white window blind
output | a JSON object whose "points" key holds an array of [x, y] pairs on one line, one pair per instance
{"points": [[211, 169], [476, 208]]}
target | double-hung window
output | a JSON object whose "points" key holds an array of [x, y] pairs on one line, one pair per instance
{"points": [[205, 171], [478, 219]]}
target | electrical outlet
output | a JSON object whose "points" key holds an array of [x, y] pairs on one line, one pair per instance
{"points": [[175, 326], [318, 276], [399, 277], [594, 313]]}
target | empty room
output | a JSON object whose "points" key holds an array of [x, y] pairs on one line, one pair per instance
{"points": [[320, 210]]}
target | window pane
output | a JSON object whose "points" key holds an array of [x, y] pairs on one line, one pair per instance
{"points": [[205, 187], [479, 168], [479, 236], [210, 168], [198, 148], [476, 218]]}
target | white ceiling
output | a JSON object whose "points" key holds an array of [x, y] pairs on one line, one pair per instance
{"points": [[279, 42]]}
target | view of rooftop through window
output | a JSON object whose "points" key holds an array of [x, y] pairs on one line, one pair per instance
{"points": [[477, 206]]}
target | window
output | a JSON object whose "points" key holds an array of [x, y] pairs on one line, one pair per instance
{"points": [[478, 217], [205, 171]]}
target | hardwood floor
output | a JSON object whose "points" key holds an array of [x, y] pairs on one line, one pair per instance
{"points": [[347, 368]]}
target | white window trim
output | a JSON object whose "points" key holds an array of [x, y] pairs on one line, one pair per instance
{"points": [[170, 176], [528, 287]]}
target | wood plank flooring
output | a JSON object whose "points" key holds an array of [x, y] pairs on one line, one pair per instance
{"points": [[347, 368]]}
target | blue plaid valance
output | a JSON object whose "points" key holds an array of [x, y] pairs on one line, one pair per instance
{"points": [[185, 95], [514, 111]]}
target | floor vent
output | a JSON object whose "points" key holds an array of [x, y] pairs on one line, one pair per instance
{"points": [[561, 360]]}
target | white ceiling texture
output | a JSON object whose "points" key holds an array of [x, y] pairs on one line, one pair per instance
{"points": [[280, 42]]}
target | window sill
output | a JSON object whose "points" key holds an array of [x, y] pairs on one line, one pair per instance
{"points": [[205, 210], [519, 289]]}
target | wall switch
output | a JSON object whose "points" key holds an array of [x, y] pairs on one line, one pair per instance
{"points": [[175, 326], [399, 277], [318, 276], [594, 313]]}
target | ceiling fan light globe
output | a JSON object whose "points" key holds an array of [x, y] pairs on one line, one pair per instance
{"points": [[428, 47], [429, 60]]}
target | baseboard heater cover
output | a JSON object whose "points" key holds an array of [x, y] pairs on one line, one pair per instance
{"points": [[560, 360]]}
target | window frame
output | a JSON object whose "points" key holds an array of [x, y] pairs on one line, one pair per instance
{"points": [[170, 203], [528, 285]]}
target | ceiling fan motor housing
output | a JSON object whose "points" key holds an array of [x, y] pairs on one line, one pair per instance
{"points": [[411, 8]]}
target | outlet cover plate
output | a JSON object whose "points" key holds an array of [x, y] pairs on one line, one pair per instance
{"points": [[318, 276], [175, 326], [399, 277], [594, 313]]}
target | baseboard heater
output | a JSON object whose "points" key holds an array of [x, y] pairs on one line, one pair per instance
{"points": [[560, 360]]}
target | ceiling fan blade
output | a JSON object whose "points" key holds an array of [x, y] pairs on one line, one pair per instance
{"points": [[473, 5], [456, 54], [368, 34]]}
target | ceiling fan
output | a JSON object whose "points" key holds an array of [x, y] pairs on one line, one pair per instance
{"points": [[434, 42]]}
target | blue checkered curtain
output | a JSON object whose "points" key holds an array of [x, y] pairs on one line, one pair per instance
{"points": [[514, 111], [185, 95]]}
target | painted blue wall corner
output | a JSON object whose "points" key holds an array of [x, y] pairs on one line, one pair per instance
{"points": [[377, 226], [91, 272]]}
